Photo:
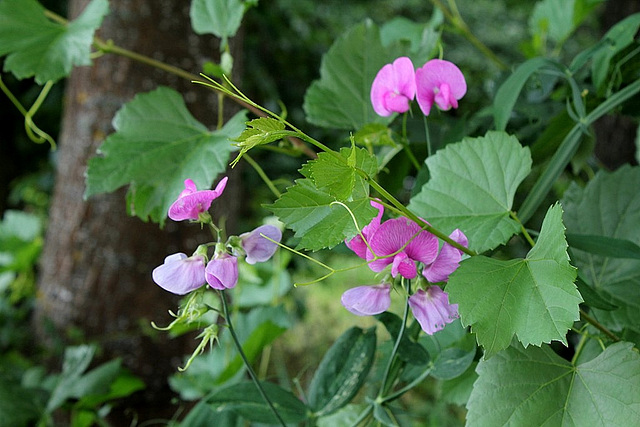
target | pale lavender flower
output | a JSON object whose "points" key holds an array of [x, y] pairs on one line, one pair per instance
{"points": [[358, 245], [447, 260], [222, 271], [393, 87], [409, 243], [440, 82], [432, 310], [191, 202], [257, 248], [180, 274], [367, 300]]}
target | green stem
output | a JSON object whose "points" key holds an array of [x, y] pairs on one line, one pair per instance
{"points": [[252, 374], [405, 143], [363, 416], [407, 213], [263, 175], [598, 325], [408, 387], [427, 136], [456, 20], [386, 377], [583, 340], [525, 233]]}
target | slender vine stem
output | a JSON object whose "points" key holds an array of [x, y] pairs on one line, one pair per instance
{"points": [[262, 175], [252, 374], [525, 233], [589, 319], [454, 17]]}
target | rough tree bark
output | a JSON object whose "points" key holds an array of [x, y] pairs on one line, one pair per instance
{"points": [[96, 266]]}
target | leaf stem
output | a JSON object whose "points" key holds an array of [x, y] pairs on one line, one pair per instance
{"points": [[598, 325], [263, 175], [525, 233], [252, 374]]}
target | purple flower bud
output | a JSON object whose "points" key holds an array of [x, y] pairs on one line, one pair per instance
{"points": [[257, 248], [440, 82], [222, 272], [393, 87], [432, 310], [180, 274], [191, 202], [367, 300]]}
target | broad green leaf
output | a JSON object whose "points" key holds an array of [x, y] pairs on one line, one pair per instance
{"points": [[345, 417], [337, 175], [534, 387], [533, 298], [374, 134], [508, 93], [609, 206], [472, 186], [157, 145], [458, 390], [605, 246], [245, 400], [263, 130], [19, 405], [341, 98], [616, 39], [554, 18], [76, 361], [342, 371], [36, 46], [422, 38], [219, 17], [452, 362], [317, 221]]}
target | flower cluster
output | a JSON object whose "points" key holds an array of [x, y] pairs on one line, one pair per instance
{"points": [[437, 82], [181, 274], [410, 251]]}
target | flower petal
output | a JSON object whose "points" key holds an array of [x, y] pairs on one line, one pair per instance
{"points": [[257, 248], [432, 310], [367, 300], [393, 87], [403, 265], [180, 274], [222, 272], [439, 81], [358, 245], [191, 203], [447, 261]]}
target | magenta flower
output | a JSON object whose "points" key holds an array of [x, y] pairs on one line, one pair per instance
{"points": [[191, 202], [432, 310], [180, 274], [393, 87], [257, 248], [358, 245], [367, 300], [447, 261], [409, 243], [222, 272], [439, 82]]}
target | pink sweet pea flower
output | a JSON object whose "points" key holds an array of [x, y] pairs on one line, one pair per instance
{"points": [[432, 310], [393, 87], [257, 248], [222, 272], [191, 202], [367, 300], [439, 82], [180, 274], [405, 236], [448, 259], [358, 245]]}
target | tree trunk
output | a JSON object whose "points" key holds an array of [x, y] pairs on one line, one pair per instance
{"points": [[96, 265]]}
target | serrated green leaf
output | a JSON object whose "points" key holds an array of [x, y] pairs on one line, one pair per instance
{"points": [[534, 387], [472, 186], [219, 17], [342, 371], [609, 206], [338, 176], [341, 98], [316, 220], [39, 47], [157, 145], [533, 298], [260, 131], [245, 400]]}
